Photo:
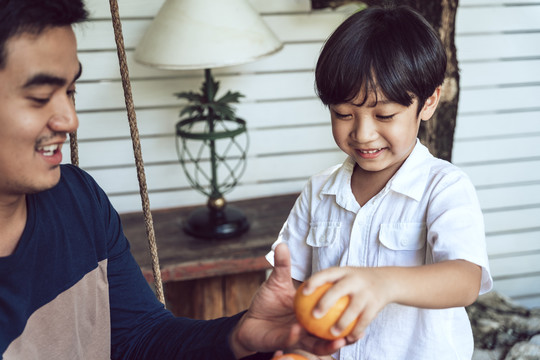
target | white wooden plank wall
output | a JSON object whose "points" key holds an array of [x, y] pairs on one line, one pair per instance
{"points": [[497, 135], [289, 130]]}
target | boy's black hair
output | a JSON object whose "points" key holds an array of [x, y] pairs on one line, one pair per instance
{"points": [[34, 16], [392, 51]]}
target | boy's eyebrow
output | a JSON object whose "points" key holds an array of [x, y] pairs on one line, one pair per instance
{"points": [[46, 79]]}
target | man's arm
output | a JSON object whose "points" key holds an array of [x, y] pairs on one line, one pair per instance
{"points": [[142, 328]]}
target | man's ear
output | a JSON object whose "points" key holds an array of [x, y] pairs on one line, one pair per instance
{"points": [[430, 105]]}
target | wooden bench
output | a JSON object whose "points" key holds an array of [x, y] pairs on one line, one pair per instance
{"points": [[206, 279]]}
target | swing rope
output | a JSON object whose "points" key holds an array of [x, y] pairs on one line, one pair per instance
{"points": [[74, 149], [149, 225]]}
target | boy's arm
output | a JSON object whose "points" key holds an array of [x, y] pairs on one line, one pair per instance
{"points": [[451, 283]]}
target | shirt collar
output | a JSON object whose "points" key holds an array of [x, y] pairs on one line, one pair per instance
{"points": [[339, 184], [410, 180]]}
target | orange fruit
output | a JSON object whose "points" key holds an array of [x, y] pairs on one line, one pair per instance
{"points": [[292, 356], [303, 308]]}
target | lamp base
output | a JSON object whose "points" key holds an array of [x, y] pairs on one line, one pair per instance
{"points": [[210, 223]]}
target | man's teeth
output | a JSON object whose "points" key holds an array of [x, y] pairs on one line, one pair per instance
{"points": [[48, 150]]}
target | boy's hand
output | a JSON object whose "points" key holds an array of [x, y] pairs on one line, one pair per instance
{"points": [[368, 291], [270, 323]]}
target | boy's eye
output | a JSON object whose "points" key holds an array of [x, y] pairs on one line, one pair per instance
{"points": [[385, 117], [341, 116]]}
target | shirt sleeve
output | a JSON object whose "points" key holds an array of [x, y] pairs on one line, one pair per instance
{"points": [[456, 225], [141, 328]]}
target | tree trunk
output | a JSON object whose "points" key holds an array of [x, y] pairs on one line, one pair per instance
{"points": [[438, 133]]}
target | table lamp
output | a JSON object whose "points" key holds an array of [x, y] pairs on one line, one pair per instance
{"points": [[211, 141]]}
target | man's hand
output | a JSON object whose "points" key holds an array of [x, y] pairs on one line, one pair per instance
{"points": [[270, 323], [305, 354]]}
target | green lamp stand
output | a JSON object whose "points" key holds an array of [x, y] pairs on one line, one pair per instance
{"points": [[212, 145]]}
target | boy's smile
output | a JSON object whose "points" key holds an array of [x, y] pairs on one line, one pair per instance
{"points": [[36, 108], [370, 153], [379, 134]]}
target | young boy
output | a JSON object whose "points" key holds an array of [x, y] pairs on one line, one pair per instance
{"points": [[396, 229]]}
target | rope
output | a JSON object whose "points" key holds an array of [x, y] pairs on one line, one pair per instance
{"points": [[117, 25], [74, 148]]}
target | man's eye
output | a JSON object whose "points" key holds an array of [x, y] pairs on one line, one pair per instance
{"points": [[40, 101], [71, 93]]}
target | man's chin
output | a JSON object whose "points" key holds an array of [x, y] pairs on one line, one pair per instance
{"points": [[47, 183]]}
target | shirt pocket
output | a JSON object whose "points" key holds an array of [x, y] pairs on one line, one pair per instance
{"points": [[402, 244], [323, 233], [324, 240]]}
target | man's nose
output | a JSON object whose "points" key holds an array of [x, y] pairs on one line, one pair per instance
{"points": [[64, 117]]}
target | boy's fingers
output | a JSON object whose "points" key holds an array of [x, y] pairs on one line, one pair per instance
{"points": [[330, 275], [332, 296], [365, 319], [352, 313], [354, 337]]}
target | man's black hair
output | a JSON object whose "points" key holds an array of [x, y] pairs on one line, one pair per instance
{"points": [[392, 51], [34, 16]]}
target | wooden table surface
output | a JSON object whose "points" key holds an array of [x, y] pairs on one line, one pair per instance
{"points": [[183, 257]]}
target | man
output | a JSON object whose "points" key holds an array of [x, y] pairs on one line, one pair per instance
{"points": [[69, 287]]}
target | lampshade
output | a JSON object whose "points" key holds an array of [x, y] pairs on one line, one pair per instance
{"points": [[203, 34]]}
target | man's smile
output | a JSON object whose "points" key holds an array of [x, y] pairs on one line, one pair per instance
{"points": [[48, 150]]}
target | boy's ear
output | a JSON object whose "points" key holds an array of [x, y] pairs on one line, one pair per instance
{"points": [[430, 105]]}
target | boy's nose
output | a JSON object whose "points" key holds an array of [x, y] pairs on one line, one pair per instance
{"points": [[64, 117], [364, 130]]}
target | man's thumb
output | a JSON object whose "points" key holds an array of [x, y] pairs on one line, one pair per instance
{"points": [[282, 262]]}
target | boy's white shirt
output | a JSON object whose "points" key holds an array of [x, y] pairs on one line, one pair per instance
{"points": [[427, 212]]}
